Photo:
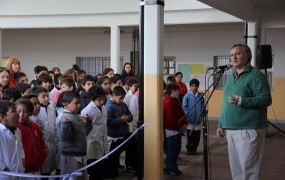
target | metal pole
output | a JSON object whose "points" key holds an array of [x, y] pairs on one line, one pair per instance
{"points": [[205, 140], [245, 32], [141, 98]]}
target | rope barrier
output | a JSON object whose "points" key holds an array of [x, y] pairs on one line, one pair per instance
{"points": [[78, 171]]}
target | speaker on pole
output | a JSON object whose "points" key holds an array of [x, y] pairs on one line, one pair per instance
{"points": [[264, 57]]}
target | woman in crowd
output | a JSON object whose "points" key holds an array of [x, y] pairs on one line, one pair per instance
{"points": [[4, 78], [13, 65], [127, 72], [56, 70]]}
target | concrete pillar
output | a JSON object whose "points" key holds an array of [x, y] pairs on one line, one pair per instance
{"points": [[115, 48], [153, 88], [253, 30], [1, 48]]}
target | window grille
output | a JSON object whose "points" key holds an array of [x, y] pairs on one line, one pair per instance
{"points": [[169, 64], [220, 61], [224, 60], [96, 65]]}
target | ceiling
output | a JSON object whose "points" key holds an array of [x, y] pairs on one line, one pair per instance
{"points": [[251, 10]]}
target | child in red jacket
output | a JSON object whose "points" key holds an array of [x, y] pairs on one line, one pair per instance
{"points": [[32, 138], [173, 112]]}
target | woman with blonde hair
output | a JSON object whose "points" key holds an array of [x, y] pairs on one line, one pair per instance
{"points": [[72, 73], [56, 70], [14, 66]]}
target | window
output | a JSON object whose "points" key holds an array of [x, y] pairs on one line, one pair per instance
{"points": [[224, 60], [220, 61], [169, 65], [95, 65]]}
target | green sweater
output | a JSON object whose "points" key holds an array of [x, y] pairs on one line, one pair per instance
{"points": [[252, 85]]}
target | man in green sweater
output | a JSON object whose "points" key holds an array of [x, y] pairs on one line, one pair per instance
{"points": [[246, 98]]}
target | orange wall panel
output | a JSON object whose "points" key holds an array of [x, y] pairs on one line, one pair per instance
{"points": [[278, 101]]}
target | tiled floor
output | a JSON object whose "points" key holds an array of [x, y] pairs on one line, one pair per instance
{"points": [[273, 164]]}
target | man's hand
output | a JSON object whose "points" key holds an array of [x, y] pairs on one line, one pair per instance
{"points": [[234, 99], [125, 118], [221, 132]]}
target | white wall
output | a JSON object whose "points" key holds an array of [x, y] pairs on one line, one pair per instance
{"points": [[60, 47], [53, 7], [53, 47], [18, 14], [201, 42], [189, 43], [126, 45], [276, 38]]}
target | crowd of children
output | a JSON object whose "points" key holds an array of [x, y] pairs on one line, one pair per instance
{"points": [[58, 123], [61, 122]]}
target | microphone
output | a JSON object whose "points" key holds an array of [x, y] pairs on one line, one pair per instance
{"points": [[218, 72], [224, 67]]}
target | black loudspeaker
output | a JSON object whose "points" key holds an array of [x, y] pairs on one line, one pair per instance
{"points": [[264, 57]]}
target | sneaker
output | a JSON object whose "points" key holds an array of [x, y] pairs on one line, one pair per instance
{"points": [[128, 168], [121, 166], [176, 173], [180, 161], [191, 152], [134, 173], [115, 178]]}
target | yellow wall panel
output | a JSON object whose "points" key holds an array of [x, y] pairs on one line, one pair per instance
{"points": [[278, 101]]}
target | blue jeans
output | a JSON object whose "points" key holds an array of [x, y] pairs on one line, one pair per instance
{"points": [[173, 148]]}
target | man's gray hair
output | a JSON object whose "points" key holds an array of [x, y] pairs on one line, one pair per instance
{"points": [[246, 50]]}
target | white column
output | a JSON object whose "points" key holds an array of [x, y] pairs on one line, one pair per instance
{"points": [[252, 42], [153, 82], [153, 39], [115, 49], [1, 49]]}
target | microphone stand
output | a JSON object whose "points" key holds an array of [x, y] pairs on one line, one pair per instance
{"points": [[204, 112], [203, 94]]}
